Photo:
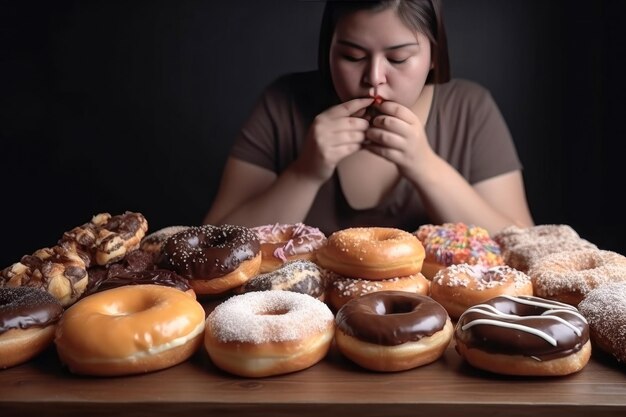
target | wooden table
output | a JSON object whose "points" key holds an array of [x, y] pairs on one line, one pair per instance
{"points": [[334, 386]]}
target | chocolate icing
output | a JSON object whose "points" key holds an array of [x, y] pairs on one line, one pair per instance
{"points": [[25, 307], [495, 338], [391, 318], [206, 252], [155, 276]]}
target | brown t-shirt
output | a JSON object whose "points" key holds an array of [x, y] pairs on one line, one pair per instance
{"points": [[464, 127]]}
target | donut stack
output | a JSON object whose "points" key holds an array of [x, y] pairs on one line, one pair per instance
{"points": [[371, 259], [456, 243]]}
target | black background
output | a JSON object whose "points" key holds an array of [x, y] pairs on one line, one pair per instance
{"points": [[132, 105]]}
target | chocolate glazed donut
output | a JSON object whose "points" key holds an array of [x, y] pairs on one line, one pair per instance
{"points": [[214, 258]]}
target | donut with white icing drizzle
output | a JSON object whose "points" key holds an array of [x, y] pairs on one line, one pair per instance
{"points": [[524, 336]]}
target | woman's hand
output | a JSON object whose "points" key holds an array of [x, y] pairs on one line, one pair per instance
{"points": [[398, 135], [334, 134]]}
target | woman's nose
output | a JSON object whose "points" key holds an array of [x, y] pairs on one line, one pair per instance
{"points": [[375, 72]]}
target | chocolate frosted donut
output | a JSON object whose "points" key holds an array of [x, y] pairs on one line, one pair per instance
{"points": [[214, 258], [28, 318], [524, 336], [392, 330], [163, 277]]}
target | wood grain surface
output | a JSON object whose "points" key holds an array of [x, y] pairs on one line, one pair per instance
{"points": [[448, 387]]}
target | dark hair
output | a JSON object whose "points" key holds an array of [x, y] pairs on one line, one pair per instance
{"points": [[425, 16]]}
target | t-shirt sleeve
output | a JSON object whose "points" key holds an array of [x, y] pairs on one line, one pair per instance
{"points": [[493, 150], [256, 141]]}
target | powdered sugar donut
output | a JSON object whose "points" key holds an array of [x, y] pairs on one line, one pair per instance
{"points": [[459, 287], [267, 333], [281, 243], [568, 276], [605, 310]]}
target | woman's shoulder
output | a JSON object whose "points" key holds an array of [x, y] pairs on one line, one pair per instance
{"points": [[462, 89]]}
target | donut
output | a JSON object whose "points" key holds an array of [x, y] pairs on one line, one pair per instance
{"points": [[281, 243], [153, 242], [60, 270], [521, 247], [524, 336], [390, 331], [300, 276], [28, 318], [129, 330], [372, 253], [605, 310], [341, 289], [568, 276], [266, 333], [458, 287], [456, 243], [215, 259], [163, 277]]}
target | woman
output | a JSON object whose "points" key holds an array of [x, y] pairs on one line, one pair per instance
{"points": [[378, 136]]}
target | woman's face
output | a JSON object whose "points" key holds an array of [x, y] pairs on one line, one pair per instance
{"points": [[376, 54]]}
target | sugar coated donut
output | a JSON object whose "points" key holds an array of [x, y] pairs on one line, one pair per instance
{"points": [[372, 253], [215, 259], [456, 243], [267, 333], [130, 330], [281, 243], [391, 331], [524, 336], [521, 247], [569, 276], [28, 317], [340, 289], [300, 276], [605, 310], [459, 287], [153, 243]]}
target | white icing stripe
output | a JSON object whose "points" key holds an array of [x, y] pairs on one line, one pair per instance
{"points": [[498, 323], [534, 301]]}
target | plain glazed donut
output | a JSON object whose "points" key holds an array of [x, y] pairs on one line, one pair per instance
{"points": [[521, 247], [28, 317], [301, 276], [392, 331], [456, 243], [458, 287], [215, 259], [372, 253], [342, 289], [605, 310], [282, 243], [130, 330], [568, 276], [524, 336], [268, 333]]}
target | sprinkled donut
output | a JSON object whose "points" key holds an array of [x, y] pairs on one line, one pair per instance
{"points": [[569, 276], [459, 287], [28, 318], [390, 331], [456, 243], [605, 309], [281, 243], [524, 336], [521, 247], [268, 333], [301, 276], [341, 289], [215, 259], [372, 253]]}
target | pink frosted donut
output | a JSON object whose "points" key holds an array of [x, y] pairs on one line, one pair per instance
{"points": [[267, 333], [281, 243]]}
